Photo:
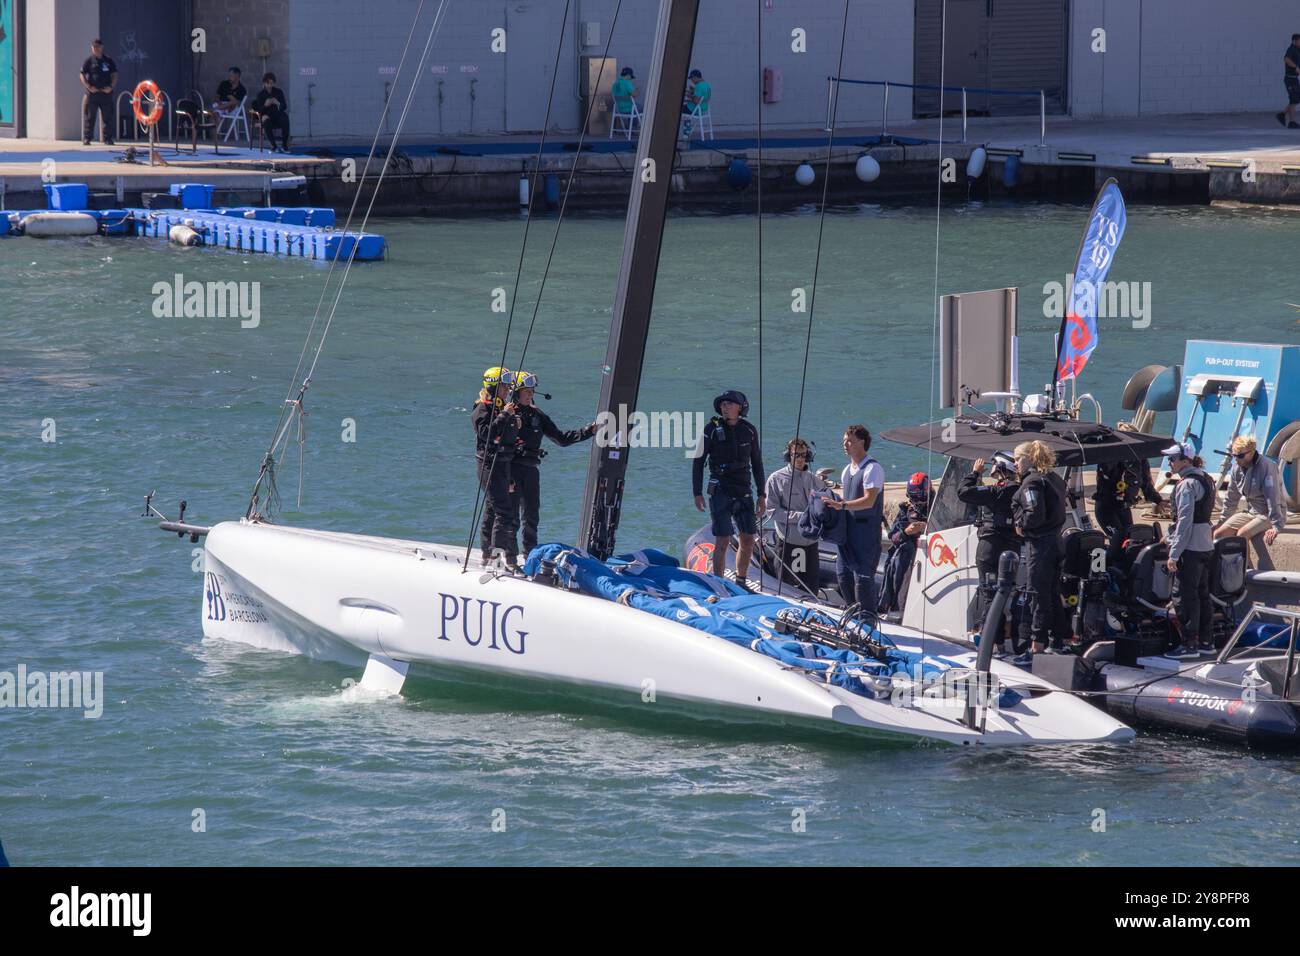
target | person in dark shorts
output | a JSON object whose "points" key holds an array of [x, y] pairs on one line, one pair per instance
{"points": [[730, 448], [1291, 78]]}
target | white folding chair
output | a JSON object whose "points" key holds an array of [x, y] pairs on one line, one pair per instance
{"points": [[701, 119], [229, 122], [624, 122]]}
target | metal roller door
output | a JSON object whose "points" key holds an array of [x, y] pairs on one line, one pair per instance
{"points": [[998, 44]]}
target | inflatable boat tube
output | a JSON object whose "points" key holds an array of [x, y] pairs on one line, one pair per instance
{"points": [[1182, 703], [44, 225]]}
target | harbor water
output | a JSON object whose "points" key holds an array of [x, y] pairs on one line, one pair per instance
{"points": [[209, 753]]}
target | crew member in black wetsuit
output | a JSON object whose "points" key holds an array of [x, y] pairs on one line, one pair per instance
{"points": [[524, 467], [997, 530], [1119, 483], [730, 448], [1038, 509], [496, 424]]}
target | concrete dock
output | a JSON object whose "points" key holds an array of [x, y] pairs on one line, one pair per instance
{"points": [[1197, 158]]}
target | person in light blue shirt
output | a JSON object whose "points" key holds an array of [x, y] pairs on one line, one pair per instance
{"points": [[624, 91]]}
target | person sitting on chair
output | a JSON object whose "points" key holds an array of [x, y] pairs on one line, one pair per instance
{"points": [[230, 92], [272, 108], [624, 91], [1258, 480], [698, 92]]}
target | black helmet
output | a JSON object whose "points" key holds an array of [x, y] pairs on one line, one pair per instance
{"points": [[732, 395]]}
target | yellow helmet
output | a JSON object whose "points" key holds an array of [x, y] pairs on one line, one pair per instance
{"points": [[496, 375]]}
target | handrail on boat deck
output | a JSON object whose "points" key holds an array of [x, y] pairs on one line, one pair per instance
{"points": [[831, 82]]}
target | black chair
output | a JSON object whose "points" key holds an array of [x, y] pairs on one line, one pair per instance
{"points": [[192, 111]]}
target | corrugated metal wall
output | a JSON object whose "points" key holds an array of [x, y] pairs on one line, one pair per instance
{"points": [[1000, 44]]}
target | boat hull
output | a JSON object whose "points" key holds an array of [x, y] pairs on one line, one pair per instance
{"points": [[347, 597]]}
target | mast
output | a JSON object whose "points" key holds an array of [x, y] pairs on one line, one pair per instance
{"points": [[642, 237]]}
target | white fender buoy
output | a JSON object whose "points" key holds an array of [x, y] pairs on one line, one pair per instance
{"points": [[975, 165], [184, 235], [46, 225], [804, 175], [523, 190], [867, 169]]}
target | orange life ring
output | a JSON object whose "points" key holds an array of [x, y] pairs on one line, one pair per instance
{"points": [[137, 102]]}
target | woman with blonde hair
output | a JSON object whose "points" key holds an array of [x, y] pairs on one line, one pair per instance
{"points": [[1038, 510]]}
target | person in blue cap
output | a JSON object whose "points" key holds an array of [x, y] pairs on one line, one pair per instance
{"points": [[730, 448]]}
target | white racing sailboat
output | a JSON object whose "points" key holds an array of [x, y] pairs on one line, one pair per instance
{"points": [[643, 628]]}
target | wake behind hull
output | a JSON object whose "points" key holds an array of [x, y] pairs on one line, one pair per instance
{"points": [[347, 597]]}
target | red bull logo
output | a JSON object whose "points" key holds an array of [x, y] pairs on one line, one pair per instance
{"points": [[939, 552], [700, 557]]}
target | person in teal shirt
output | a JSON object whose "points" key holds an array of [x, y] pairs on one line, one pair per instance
{"points": [[698, 92], [624, 91]]}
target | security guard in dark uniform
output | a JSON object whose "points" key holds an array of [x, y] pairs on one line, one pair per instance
{"points": [[1119, 484], [496, 429], [997, 530], [1038, 510], [524, 466], [729, 446], [98, 76]]}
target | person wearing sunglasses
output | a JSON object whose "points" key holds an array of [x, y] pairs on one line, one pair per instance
{"points": [[1191, 548], [1038, 510], [788, 491], [1258, 480], [496, 422], [525, 472]]}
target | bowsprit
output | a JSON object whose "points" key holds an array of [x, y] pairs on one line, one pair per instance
{"points": [[481, 619]]}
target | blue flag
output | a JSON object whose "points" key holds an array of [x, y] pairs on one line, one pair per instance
{"points": [[1079, 330]]}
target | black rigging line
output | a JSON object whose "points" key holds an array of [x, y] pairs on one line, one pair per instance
{"points": [[821, 220], [564, 201], [291, 406], [479, 499]]}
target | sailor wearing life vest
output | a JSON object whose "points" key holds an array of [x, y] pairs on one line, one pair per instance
{"points": [[862, 483], [996, 527], [496, 429], [525, 471], [1119, 485], [729, 446], [1191, 546], [1038, 510]]}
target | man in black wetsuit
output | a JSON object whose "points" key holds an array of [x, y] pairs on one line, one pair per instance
{"points": [[1038, 509], [524, 466], [496, 430], [730, 448], [997, 530], [1119, 484]]}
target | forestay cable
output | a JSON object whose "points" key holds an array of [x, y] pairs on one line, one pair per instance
{"points": [[293, 405]]}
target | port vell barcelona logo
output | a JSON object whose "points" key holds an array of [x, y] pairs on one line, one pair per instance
{"points": [[482, 623]]}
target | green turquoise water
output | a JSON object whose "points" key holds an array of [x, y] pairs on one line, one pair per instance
{"points": [[288, 771]]}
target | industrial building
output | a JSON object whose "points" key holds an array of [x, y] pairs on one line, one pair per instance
{"points": [[338, 59]]}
